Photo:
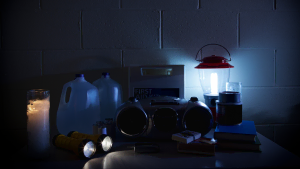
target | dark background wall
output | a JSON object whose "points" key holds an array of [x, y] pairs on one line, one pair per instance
{"points": [[45, 42]]}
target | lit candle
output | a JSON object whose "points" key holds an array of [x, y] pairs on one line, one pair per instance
{"points": [[38, 135]]}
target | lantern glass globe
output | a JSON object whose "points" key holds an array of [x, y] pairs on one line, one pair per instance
{"points": [[213, 81]]}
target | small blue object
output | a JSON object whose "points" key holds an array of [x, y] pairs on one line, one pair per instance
{"points": [[79, 75], [247, 127], [105, 74]]}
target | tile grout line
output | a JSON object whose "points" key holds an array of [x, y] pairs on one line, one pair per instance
{"points": [[1, 46], [40, 4], [238, 29], [120, 4], [122, 59], [81, 32], [42, 61], [128, 82], [274, 133], [274, 5], [199, 4], [275, 52], [160, 29]]}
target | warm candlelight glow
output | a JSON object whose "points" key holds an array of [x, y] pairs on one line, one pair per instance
{"points": [[38, 126], [35, 105]]}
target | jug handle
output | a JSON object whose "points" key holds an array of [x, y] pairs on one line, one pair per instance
{"points": [[63, 93]]}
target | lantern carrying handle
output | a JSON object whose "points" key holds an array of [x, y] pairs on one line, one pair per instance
{"points": [[208, 45]]}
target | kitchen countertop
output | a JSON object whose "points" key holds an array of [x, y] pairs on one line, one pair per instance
{"points": [[122, 156]]}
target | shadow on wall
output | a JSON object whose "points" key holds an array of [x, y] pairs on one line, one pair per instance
{"points": [[295, 114], [269, 117], [292, 138], [285, 135], [14, 100], [260, 117]]}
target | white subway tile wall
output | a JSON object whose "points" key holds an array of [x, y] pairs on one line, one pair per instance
{"points": [[160, 4], [120, 29], [20, 5], [20, 65], [72, 61], [40, 29], [236, 5], [194, 28], [253, 67], [79, 4], [287, 67], [44, 38], [275, 29], [271, 105], [287, 5]]}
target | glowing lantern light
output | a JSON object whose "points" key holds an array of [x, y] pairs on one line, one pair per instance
{"points": [[214, 72]]}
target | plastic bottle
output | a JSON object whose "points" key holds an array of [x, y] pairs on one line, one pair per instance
{"points": [[82, 110], [110, 95]]}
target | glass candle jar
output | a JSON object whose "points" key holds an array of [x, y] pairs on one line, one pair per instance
{"points": [[235, 87], [38, 135]]}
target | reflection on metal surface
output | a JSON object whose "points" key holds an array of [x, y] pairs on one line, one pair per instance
{"points": [[89, 149], [106, 143]]}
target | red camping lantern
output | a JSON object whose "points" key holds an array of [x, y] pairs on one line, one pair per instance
{"points": [[214, 72]]}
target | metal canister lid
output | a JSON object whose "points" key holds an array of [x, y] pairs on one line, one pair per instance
{"points": [[229, 97]]}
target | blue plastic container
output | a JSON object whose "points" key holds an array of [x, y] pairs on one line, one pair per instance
{"points": [[82, 110], [110, 95]]}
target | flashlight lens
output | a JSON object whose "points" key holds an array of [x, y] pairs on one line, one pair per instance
{"points": [[89, 149], [106, 143]]}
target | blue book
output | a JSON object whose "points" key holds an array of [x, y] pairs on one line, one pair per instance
{"points": [[243, 146], [246, 131]]}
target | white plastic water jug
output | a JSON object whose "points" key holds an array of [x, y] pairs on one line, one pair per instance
{"points": [[82, 110], [110, 95]]}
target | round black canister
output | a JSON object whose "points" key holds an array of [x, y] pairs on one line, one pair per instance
{"points": [[198, 119], [229, 113]]}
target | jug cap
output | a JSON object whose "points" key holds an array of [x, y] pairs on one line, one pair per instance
{"points": [[79, 75], [105, 74]]}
